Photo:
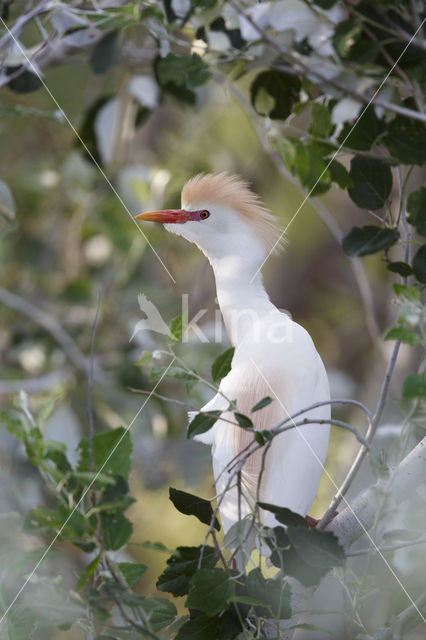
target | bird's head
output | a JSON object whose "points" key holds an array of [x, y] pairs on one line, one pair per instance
{"points": [[223, 217]]}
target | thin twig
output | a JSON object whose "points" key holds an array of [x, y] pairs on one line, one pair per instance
{"points": [[90, 379], [35, 385], [369, 438]]}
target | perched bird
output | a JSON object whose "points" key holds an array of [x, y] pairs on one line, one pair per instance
{"points": [[274, 356]]}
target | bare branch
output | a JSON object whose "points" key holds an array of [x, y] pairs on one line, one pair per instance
{"points": [[369, 438], [52, 326], [352, 522], [35, 385]]}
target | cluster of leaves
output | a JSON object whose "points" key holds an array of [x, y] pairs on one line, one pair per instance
{"points": [[221, 599], [90, 500]]}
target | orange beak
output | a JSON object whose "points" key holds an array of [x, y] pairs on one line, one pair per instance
{"points": [[177, 216]]}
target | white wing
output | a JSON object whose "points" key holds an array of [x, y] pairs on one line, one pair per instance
{"points": [[294, 376]]}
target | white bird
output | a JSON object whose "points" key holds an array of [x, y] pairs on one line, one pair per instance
{"points": [[274, 356]]}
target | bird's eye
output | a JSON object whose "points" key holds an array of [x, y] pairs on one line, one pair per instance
{"points": [[204, 214]]}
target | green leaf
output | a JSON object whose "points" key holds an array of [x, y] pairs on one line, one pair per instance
{"points": [[416, 207], [363, 241], [404, 334], [210, 591], [243, 421], [287, 148], [402, 268], [325, 4], [283, 88], [319, 549], [187, 71], [345, 36], [159, 611], [115, 497], [192, 505], [260, 438], [202, 423], [264, 103], [412, 294], [182, 565], [311, 168], [88, 572], [176, 329], [321, 124], [100, 480], [222, 365], [364, 134], [13, 424], [25, 82], [204, 4], [248, 600], [157, 373], [274, 595], [284, 515], [200, 628], [419, 264], [112, 451], [116, 530], [285, 556], [71, 523], [105, 52], [371, 182], [144, 360], [132, 571], [339, 174], [262, 403], [414, 386], [406, 140]]}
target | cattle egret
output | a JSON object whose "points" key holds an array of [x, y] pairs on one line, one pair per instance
{"points": [[274, 356]]}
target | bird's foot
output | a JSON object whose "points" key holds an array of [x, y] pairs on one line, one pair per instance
{"points": [[312, 522]]}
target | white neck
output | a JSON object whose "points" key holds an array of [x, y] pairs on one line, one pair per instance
{"points": [[242, 298]]}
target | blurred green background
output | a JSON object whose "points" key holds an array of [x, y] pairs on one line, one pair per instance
{"points": [[74, 239]]}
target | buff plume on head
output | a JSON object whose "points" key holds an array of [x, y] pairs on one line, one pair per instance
{"points": [[235, 193]]}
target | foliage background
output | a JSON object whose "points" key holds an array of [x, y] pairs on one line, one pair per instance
{"points": [[71, 238]]}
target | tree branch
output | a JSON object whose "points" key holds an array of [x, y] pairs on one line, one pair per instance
{"points": [[311, 71], [52, 326], [35, 385], [352, 522], [369, 438]]}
